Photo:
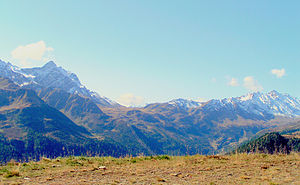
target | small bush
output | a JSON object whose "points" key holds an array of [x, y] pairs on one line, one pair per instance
{"points": [[12, 173], [46, 159], [82, 158], [162, 157], [3, 171], [25, 164], [73, 162], [133, 160]]}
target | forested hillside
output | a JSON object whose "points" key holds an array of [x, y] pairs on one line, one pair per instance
{"points": [[271, 143]]}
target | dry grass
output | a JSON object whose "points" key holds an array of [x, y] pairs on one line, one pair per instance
{"points": [[234, 169]]}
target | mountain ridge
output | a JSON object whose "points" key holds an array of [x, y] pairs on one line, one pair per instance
{"points": [[176, 127], [273, 102], [270, 143], [50, 75], [30, 128]]}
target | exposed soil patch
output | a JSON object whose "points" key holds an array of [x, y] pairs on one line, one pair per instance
{"points": [[233, 169]]}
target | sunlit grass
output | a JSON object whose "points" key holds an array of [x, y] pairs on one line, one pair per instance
{"points": [[236, 168]]}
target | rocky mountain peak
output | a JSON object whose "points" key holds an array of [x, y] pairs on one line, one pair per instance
{"points": [[50, 75], [50, 64]]}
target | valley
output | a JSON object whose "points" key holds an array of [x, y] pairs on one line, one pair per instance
{"points": [[177, 127]]}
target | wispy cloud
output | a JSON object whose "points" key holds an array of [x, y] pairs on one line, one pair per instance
{"points": [[200, 100], [131, 100], [251, 84], [233, 82], [278, 72], [213, 80], [34, 51]]}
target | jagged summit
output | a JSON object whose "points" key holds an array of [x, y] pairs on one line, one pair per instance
{"points": [[184, 103], [50, 76], [255, 103], [53, 76], [50, 64], [273, 103]]}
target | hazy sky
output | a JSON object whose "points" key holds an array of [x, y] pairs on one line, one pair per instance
{"points": [[152, 51]]}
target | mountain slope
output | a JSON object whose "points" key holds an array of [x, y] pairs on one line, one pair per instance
{"points": [[185, 104], [271, 143], [51, 76], [23, 108], [176, 127], [216, 125], [29, 128], [81, 110]]}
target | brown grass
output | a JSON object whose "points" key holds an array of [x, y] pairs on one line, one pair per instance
{"points": [[198, 169]]}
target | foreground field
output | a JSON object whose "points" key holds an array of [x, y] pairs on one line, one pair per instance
{"points": [[233, 169]]}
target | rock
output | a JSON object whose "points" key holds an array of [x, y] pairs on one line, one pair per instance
{"points": [[176, 174], [49, 178], [161, 180], [53, 166], [102, 167], [93, 169], [264, 167], [245, 177]]}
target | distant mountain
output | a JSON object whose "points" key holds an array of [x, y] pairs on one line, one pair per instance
{"points": [[29, 128], [50, 76], [215, 125], [81, 110], [273, 103], [270, 143], [176, 127], [185, 104], [259, 104]]}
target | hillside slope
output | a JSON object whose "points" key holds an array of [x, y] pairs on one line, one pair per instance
{"points": [[271, 143], [50, 75], [176, 127], [29, 128], [81, 110]]}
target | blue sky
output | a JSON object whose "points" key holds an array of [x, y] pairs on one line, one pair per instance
{"points": [[139, 52]]}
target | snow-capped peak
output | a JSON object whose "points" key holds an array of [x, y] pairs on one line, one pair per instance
{"points": [[50, 64], [258, 103], [183, 103], [272, 102], [49, 75]]}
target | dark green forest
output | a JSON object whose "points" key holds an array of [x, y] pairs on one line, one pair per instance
{"points": [[36, 146], [270, 143]]}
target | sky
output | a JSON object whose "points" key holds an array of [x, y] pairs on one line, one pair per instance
{"points": [[137, 51]]}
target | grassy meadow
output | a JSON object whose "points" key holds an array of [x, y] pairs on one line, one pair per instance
{"points": [[197, 169]]}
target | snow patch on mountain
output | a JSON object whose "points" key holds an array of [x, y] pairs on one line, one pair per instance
{"points": [[50, 75], [186, 104], [257, 103], [273, 102]]}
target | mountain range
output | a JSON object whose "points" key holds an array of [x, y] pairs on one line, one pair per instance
{"points": [[176, 127], [272, 103], [30, 128]]}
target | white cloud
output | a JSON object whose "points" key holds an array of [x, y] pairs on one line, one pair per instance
{"points": [[251, 84], [200, 100], [278, 72], [131, 100], [233, 82], [213, 80], [35, 51]]}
